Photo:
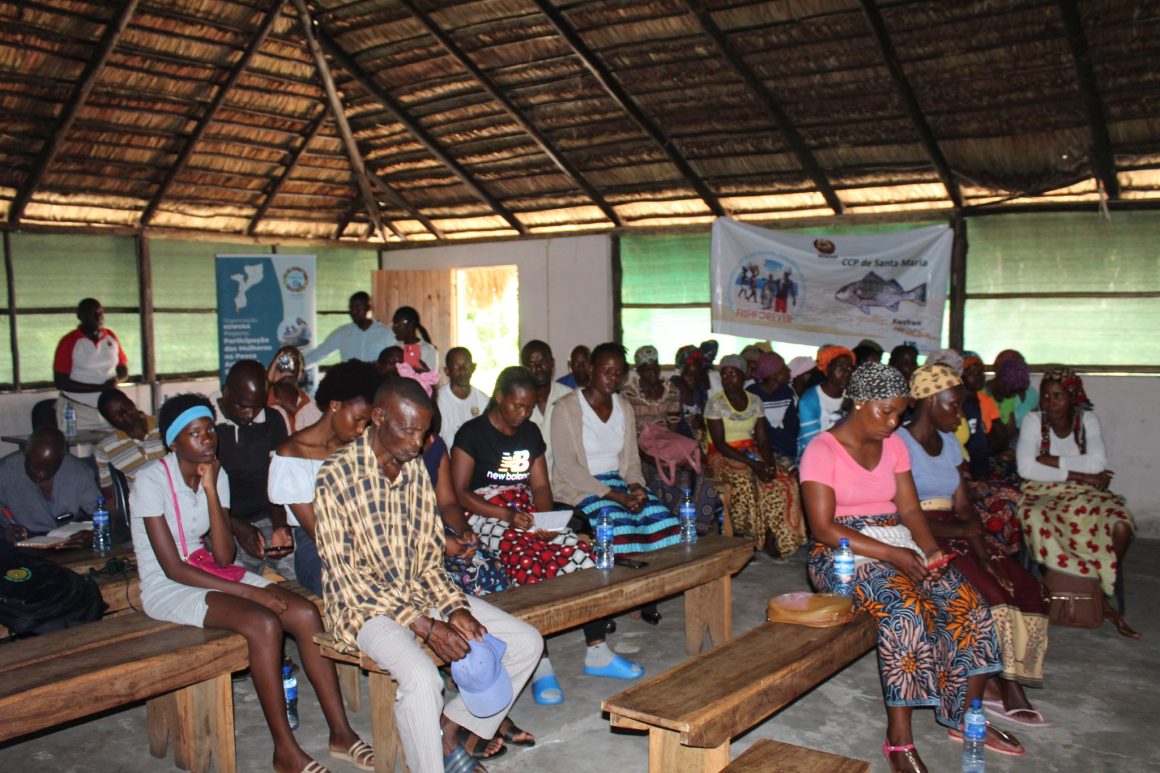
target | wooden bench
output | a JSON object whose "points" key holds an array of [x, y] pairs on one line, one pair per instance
{"points": [[182, 672], [703, 572], [693, 710], [766, 756]]}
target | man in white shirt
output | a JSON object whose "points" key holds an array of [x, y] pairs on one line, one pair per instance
{"points": [[537, 357], [362, 339], [459, 402], [88, 360]]}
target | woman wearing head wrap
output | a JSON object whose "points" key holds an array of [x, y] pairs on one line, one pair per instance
{"points": [[821, 406], [936, 640], [779, 403], [692, 390], [182, 500], [763, 500], [1064, 463], [1017, 600], [800, 371], [1012, 390]]}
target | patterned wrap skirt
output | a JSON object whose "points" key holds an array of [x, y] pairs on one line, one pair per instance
{"points": [[653, 528], [524, 555], [760, 508], [1068, 527], [706, 498], [931, 637], [479, 575]]}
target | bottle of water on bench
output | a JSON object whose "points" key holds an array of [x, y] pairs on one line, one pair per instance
{"points": [[70, 422], [603, 549], [102, 538], [688, 515], [290, 692], [974, 737], [844, 568]]}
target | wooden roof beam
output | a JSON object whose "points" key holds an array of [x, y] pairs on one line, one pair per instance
{"points": [[311, 131], [425, 138], [769, 104], [1103, 160], [68, 115], [357, 164], [626, 103], [545, 145], [902, 85], [219, 99]]}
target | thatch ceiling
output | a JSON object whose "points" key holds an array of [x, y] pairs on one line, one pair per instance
{"points": [[508, 117]]}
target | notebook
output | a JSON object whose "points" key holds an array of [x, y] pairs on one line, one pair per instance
{"points": [[59, 536]]}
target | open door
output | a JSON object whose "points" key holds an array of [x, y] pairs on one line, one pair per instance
{"points": [[430, 292]]}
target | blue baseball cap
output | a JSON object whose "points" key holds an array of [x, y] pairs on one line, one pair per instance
{"points": [[483, 682]]}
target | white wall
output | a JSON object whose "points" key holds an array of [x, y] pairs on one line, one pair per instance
{"points": [[565, 284]]}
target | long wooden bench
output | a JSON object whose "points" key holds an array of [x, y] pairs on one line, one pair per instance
{"points": [[766, 756], [182, 672], [703, 572], [694, 709]]}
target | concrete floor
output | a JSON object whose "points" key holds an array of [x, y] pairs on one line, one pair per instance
{"points": [[1101, 694]]}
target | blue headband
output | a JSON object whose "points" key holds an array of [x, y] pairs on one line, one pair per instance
{"points": [[184, 419]]}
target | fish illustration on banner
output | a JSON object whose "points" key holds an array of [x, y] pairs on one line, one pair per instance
{"points": [[837, 288]]}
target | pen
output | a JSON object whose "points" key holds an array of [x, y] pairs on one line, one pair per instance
{"points": [[8, 514]]}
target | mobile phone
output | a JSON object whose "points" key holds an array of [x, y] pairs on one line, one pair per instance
{"points": [[411, 354], [938, 563], [286, 363], [631, 563]]}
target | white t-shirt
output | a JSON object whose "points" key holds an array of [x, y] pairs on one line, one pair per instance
{"points": [[831, 409], [455, 412], [291, 482], [543, 419], [603, 440]]}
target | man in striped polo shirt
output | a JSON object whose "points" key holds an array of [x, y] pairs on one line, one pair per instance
{"points": [[133, 442]]}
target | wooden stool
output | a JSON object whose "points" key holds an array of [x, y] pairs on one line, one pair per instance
{"points": [[768, 756]]}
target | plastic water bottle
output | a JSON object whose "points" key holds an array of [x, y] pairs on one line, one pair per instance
{"points": [[102, 538], [688, 514], [844, 568], [974, 738], [604, 558], [290, 692], [70, 422]]}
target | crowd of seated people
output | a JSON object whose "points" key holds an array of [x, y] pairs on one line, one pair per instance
{"points": [[404, 495]]}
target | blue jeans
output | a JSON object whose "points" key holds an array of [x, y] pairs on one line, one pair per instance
{"points": [[307, 564]]}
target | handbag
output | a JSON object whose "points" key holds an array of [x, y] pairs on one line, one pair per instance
{"points": [[200, 558], [669, 449], [1076, 602], [817, 610]]}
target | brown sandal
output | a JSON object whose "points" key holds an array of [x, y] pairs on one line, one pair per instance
{"points": [[913, 763], [1116, 619]]}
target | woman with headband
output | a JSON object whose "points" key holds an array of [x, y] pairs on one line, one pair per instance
{"points": [[1017, 600], [180, 503], [1064, 463], [936, 640]]}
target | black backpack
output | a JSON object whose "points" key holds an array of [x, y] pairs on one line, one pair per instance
{"points": [[38, 596]]}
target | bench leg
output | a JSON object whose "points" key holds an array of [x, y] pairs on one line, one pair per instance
{"points": [[384, 730], [348, 682], [708, 606], [667, 755], [199, 719]]}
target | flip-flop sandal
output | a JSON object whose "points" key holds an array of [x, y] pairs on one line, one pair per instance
{"points": [[547, 691], [1018, 751], [510, 734], [459, 761], [315, 767], [995, 709], [463, 737], [617, 668], [360, 754]]}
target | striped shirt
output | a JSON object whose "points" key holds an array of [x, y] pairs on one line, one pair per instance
{"points": [[381, 543], [127, 454]]}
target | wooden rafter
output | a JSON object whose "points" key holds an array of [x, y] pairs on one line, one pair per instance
{"points": [[625, 102], [515, 113], [1103, 161], [68, 114], [909, 101], [425, 138], [311, 131], [769, 104], [219, 99], [357, 164]]}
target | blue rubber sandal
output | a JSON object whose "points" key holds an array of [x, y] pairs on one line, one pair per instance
{"points": [[618, 668], [547, 691], [459, 761]]}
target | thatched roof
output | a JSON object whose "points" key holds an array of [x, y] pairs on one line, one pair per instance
{"points": [[506, 117]]}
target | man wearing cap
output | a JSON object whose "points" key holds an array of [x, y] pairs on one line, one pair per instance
{"points": [[381, 541]]}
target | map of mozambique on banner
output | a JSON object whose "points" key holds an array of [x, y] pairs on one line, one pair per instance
{"points": [[810, 289]]}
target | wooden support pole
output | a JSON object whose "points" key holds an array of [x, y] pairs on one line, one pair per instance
{"points": [[13, 341], [1103, 160], [617, 291], [958, 290], [357, 165], [145, 315], [68, 114]]}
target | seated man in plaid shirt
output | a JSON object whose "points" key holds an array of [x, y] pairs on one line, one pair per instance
{"points": [[381, 541]]}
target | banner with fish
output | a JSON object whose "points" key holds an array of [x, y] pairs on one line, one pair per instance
{"points": [[265, 302], [810, 289]]}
